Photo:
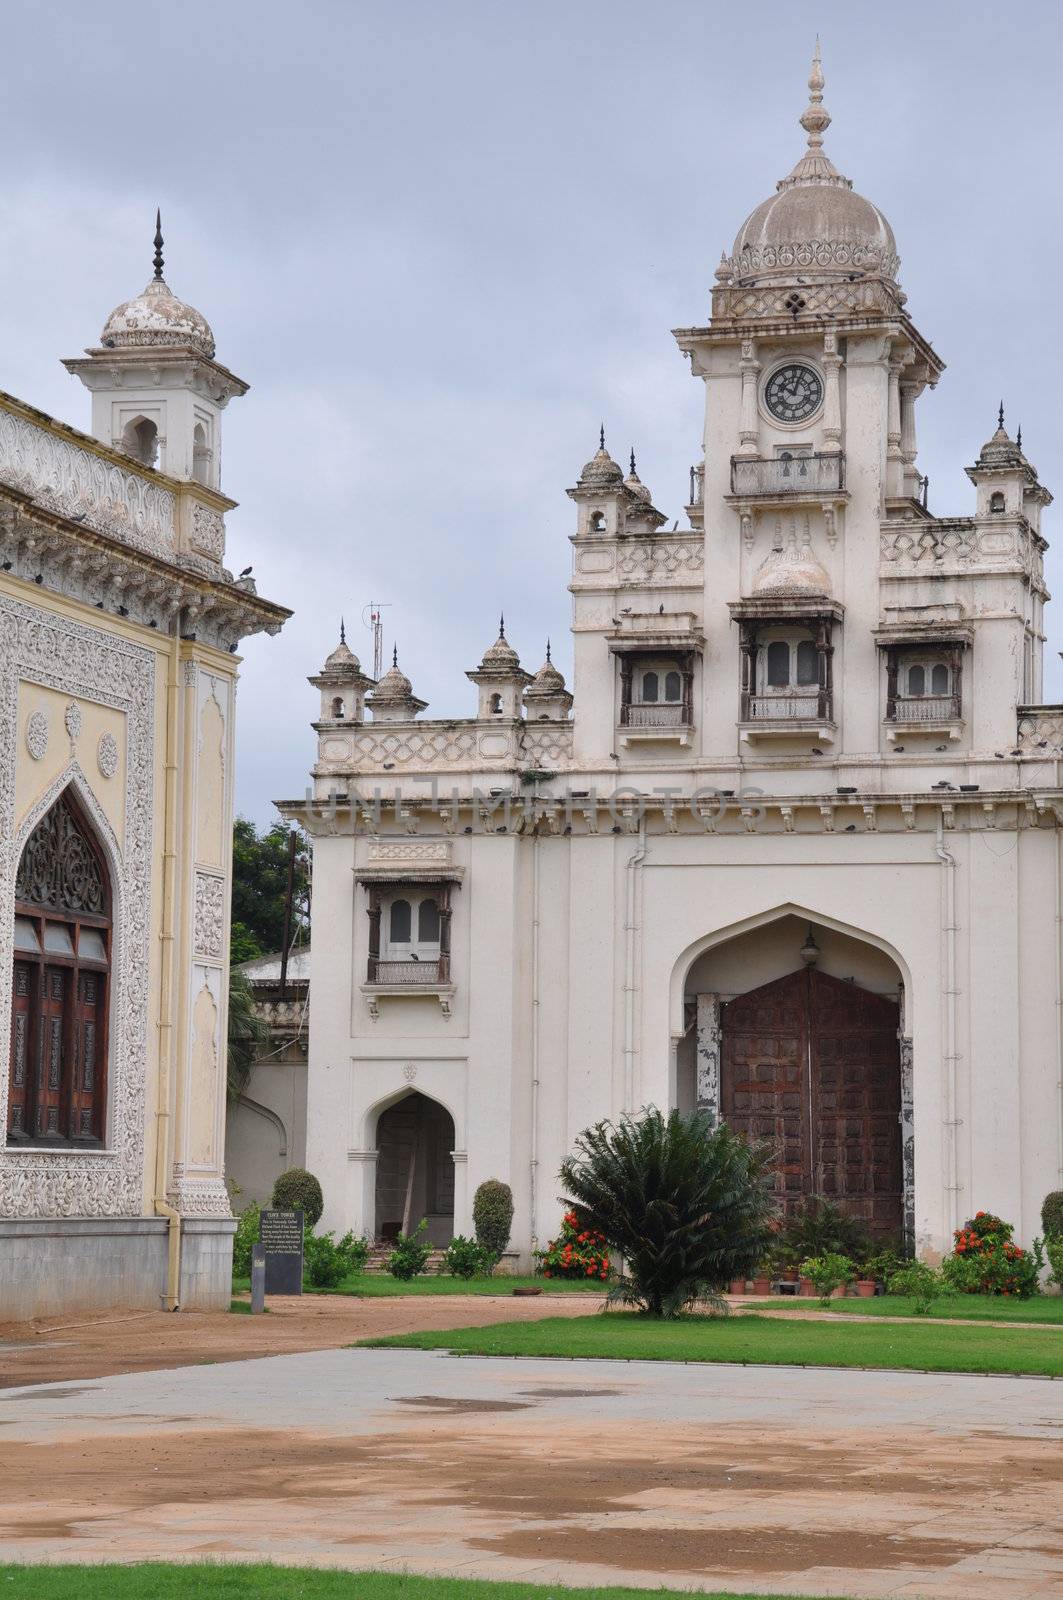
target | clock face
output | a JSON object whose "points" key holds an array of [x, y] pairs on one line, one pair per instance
{"points": [[793, 393]]}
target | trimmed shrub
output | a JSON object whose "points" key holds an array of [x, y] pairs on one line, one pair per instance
{"points": [[575, 1253], [245, 1236], [324, 1263], [1052, 1215], [465, 1258], [986, 1261], [1054, 1252], [410, 1255], [918, 1283], [299, 1190], [492, 1216]]}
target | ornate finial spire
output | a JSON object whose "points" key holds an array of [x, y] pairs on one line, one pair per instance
{"points": [[601, 437], [158, 245], [394, 655], [343, 632], [548, 651], [502, 626], [1000, 417], [633, 472], [1018, 438], [816, 119]]}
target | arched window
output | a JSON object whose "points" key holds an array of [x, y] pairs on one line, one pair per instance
{"points": [[916, 680], [673, 686], [807, 663], [651, 688], [778, 664], [428, 922], [496, 705], [996, 503], [596, 522], [57, 1084], [337, 708], [400, 923], [200, 455], [140, 439], [939, 679]]}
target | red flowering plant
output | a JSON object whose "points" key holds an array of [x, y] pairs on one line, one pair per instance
{"points": [[986, 1260], [575, 1253]]}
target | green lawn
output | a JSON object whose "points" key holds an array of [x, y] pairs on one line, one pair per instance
{"points": [[382, 1283], [158, 1581], [971, 1307], [934, 1347]]}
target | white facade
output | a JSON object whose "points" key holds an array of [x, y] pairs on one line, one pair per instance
{"points": [[804, 737]]}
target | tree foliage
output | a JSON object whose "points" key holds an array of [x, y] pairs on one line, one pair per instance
{"points": [[247, 1033], [260, 883], [687, 1206]]}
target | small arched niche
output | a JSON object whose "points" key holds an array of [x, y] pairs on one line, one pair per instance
{"points": [[200, 455], [140, 439]]}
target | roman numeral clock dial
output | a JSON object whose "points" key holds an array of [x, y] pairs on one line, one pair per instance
{"points": [[794, 393]]}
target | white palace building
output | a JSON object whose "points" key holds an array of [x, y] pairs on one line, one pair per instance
{"points": [[789, 849]]}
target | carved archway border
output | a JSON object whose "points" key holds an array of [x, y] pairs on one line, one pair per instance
{"points": [[58, 653]]}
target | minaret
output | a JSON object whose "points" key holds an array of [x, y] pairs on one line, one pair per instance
{"points": [[500, 679], [393, 699], [157, 390], [343, 685], [546, 698]]}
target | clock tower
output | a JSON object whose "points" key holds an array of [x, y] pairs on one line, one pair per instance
{"points": [[812, 367]]}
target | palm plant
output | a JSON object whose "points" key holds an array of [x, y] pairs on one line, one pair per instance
{"points": [[687, 1205], [247, 1030]]}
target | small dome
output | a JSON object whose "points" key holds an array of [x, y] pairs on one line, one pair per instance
{"points": [[601, 468], [815, 225], [156, 318], [793, 570], [394, 685], [342, 659], [1001, 450], [501, 656], [636, 485], [547, 681]]}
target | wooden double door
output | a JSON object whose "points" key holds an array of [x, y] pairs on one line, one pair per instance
{"points": [[812, 1064]]}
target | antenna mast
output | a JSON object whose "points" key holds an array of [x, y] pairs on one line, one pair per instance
{"points": [[372, 619]]}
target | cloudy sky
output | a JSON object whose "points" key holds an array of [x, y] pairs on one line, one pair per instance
{"points": [[443, 238]]}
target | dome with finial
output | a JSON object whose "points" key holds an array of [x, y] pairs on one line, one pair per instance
{"points": [[791, 568], [547, 681], [1001, 450], [394, 685], [156, 318], [343, 658], [500, 656], [635, 483], [815, 225], [601, 469]]}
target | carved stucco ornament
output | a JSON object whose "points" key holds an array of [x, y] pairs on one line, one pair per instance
{"points": [[107, 755], [37, 734]]}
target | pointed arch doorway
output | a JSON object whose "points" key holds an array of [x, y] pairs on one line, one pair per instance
{"points": [[811, 1062], [415, 1169]]}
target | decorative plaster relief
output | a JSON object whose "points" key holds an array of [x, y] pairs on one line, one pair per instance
{"points": [[37, 734], [908, 1137], [209, 919], [208, 531], [661, 560], [72, 719], [203, 1078], [707, 1057], [423, 852], [77, 483], [107, 755], [72, 659], [210, 782]]}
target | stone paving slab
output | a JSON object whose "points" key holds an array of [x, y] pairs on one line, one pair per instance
{"points": [[869, 1485]]}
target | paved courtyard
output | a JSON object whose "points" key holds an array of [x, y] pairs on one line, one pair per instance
{"points": [[753, 1479]]}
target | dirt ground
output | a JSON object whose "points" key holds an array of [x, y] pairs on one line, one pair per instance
{"points": [[62, 1351]]}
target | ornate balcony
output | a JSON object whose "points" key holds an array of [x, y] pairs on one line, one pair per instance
{"points": [[394, 972], [780, 477], [781, 709], [663, 715], [936, 708]]}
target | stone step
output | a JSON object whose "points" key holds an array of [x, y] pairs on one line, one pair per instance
{"points": [[380, 1254]]}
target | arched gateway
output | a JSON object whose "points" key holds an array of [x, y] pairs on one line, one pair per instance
{"points": [[415, 1169], [812, 1060]]}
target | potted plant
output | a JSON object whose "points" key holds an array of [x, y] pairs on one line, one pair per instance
{"points": [[880, 1268], [738, 1286], [761, 1283]]}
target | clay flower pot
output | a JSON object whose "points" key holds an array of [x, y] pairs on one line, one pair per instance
{"points": [[762, 1286], [865, 1288], [840, 1292], [738, 1286], [808, 1288], [527, 1289]]}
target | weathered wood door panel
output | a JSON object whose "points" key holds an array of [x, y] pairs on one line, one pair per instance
{"points": [[812, 1063]]}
